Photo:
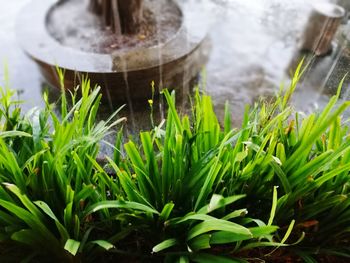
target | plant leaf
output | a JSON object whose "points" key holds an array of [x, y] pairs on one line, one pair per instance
{"points": [[72, 246]]}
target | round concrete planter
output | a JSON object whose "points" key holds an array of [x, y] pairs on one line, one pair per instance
{"points": [[123, 73]]}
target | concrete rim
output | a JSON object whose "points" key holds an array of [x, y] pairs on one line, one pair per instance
{"points": [[41, 46]]}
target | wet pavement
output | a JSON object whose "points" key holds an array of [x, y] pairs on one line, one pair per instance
{"points": [[254, 44], [23, 73]]}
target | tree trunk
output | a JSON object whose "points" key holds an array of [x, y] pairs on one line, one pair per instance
{"points": [[130, 15], [123, 16], [95, 7]]}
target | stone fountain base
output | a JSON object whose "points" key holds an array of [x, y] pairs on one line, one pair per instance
{"points": [[171, 56]]}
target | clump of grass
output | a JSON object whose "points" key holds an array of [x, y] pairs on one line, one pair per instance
{"points": [[188, 160], [177, 169], [307, 157], [57, 201], [180, 193], [47, 179]]}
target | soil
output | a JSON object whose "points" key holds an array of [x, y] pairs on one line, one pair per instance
{"points": [[251, 257], [285, 256], [83, 30]]}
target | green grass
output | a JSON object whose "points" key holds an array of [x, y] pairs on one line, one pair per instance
{"points": [[48, 181], [307, 157], [176, 169], [192, 189]]}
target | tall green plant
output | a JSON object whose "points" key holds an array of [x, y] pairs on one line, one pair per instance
{"points": [[177, 169], [47, 180], [307, 156], [182, 192]]}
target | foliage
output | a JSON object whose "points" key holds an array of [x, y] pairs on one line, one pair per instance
{"points": [[180, 192], [58, 202], [47, 181], [307, 157], [177, 170]]}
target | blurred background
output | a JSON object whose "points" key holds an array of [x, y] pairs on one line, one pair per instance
{"points": [[255, 45]]}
